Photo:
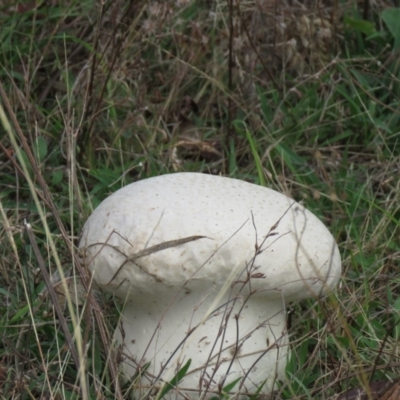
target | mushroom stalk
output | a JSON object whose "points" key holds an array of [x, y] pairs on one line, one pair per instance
{"points": [[224, 341]]}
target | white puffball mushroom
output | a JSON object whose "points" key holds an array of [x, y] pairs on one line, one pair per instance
{"points": [[206, 266]]}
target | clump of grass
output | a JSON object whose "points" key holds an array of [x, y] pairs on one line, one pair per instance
{"points": [[105, 94]]}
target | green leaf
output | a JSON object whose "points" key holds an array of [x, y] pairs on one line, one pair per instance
{"points": [[391, 17], [361, 78], [57, 177], [19, 315], [256, 157], [256, 394], [40, 148], [231, 385], [175, 380], [360, 25], [294, 380], [25, 161], [396, 306]]}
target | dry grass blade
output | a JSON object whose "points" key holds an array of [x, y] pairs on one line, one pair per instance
{"points": [[393, 393], [53, 295], [92, 303], [154, 249]]}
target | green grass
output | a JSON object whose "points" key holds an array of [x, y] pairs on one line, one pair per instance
{"points": [[107, 95]]}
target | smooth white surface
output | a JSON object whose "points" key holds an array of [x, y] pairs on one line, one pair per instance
{"points": [[298, 258], [259, 332]]}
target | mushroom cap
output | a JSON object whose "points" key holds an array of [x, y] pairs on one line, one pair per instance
{"points": [[144, 239]]}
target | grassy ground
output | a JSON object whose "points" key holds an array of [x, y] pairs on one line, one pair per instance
{"points": [[300, 97]]}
